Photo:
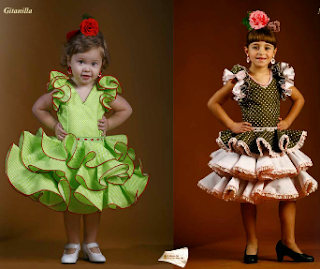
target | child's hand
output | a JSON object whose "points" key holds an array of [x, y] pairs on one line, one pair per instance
{"points": [[241, 127], [283, 125], [103, 125], [59, 131]]}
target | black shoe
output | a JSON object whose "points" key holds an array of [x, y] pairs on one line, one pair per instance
{"points": [[249, 258], [283, 250]]}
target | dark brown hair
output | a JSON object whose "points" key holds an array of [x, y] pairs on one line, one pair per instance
{"points": [[263, 34], [80, 43]]}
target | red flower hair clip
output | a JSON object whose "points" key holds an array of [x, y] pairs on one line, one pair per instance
{"points": [[88, 27]]}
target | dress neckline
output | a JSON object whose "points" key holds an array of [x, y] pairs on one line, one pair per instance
{"points": [[83, 102], [260, 84]]}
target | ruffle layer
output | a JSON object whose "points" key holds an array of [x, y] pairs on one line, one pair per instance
{"points": [[230, 188], [284, 74], [110, 87], [58, 82], [255, 144], [263, 168], [82, 177], [239, 89]]}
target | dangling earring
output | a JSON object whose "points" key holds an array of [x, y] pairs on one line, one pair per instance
{"points": [[100, 74], [69, 70], [248, 59], [273, 60]]}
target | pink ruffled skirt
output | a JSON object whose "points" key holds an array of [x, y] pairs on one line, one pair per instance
{"points": [[254, 180]]}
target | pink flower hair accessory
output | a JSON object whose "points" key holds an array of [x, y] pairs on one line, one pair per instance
{"points": [[274, 26], [259, 19]]}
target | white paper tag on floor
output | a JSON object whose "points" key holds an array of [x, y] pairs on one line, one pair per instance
{"points": [[177, 257]]}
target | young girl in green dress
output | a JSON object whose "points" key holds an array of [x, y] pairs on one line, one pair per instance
{"points": [[259, 159], [80, 171]]}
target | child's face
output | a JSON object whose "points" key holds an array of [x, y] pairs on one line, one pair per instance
{"points": [[260, 53], [86, 66]]}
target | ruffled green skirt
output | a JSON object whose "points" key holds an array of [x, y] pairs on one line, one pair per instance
{"points": [[80, 176]]}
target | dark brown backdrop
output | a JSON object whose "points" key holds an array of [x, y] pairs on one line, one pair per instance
{"points": [[140, 38], [208, 37]]}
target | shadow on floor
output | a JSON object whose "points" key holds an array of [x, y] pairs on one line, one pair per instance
{"points": [[28, 250]]}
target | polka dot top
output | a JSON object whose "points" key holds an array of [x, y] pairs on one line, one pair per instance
{"points": [[261, 104]]}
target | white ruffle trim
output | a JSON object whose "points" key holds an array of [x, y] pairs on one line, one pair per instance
{"points": [[227, 75], [286, 70], [235, 189], [249, 168], [242, 148], [288, 73]]}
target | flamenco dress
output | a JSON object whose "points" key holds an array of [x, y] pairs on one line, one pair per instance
{"points": [[264, 164], [86, 171]]}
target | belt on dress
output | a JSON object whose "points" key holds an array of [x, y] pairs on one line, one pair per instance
{"points": [[100, 138], [261, 129]]}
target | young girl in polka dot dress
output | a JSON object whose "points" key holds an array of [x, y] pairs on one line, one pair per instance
{"points": [[80, 171], [260, 158]]}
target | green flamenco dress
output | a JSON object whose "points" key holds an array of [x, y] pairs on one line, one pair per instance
{"points": [[86, 172]]}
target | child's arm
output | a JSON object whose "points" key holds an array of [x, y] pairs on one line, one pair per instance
{"points": [[122, 111], [42, 111], [297, 104], [215, 105]]}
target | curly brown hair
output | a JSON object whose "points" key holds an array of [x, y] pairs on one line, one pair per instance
{"points": [[263, 34], [80, 43]]}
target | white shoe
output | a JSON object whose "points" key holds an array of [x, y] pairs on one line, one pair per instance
{"points": [[91, 256], [71, 258]]}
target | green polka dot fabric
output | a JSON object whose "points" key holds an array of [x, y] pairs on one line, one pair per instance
{"points": [[86, 172], [261, 107]]}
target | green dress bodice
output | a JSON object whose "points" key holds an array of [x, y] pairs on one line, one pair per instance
{"points": [[81, 118], [78, 117]]}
